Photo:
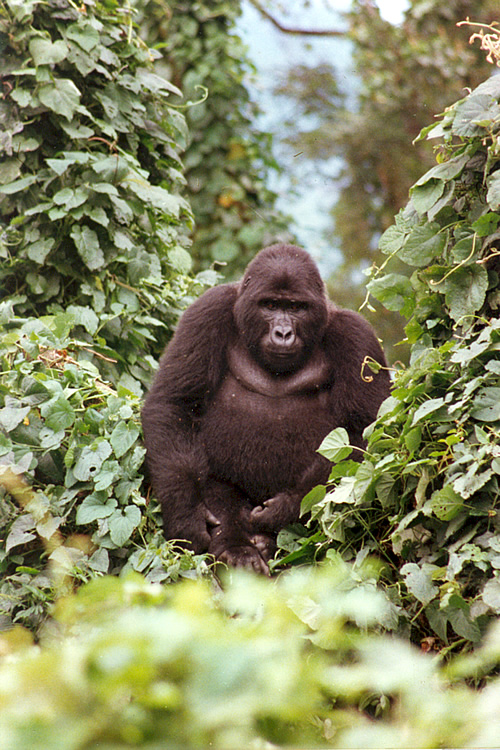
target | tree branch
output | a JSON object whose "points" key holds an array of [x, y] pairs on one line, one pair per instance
{"points": [[288, 30]]}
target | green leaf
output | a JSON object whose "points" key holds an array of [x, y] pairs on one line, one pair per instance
{"points": [[20, 532], [58, 413], [12, 416], [446, 503], [418, 580], [84, 316], [71, 198], [91, 459], [94, 507], [465, 291], [474, 108], [122, 523], [62, 97], [335, 447], [123, 437], [38, 251], [394, 291], [423, 245], [424, 197], [312, 498], [180, 259], [460, 620], [428, 407], [18, 185], [87, 244], [392, 239], [491, 595], [45, 52], [487, 405], [84, 34]]}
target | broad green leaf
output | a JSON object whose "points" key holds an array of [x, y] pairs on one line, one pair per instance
{"points": [[335, 447], [460, 621], [180, 259], [94, 507], [491, 595], [154, 195], [343, 492], [392, 239], [153, 82], [21, 532], [84, 316], [91, 459], [87, 244], [419, 582], [11, 416], [123, 437], [71, 198], [427, 408], [465, 291], [122, 523], [58, 413], [38, 251], [314, 496], [469, 483], [446, 503], [424, 197], [446, 171], [45, 52], [84, 34], [474, 108], [423, 245], [50, 439], [18, 185], [394, 291], [62, 97], [487, 405]]}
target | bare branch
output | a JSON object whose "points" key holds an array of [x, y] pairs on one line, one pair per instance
{"points": [[289, 30]]}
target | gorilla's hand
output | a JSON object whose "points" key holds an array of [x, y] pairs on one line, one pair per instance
{"points": [[196, 529], [278, 511]]}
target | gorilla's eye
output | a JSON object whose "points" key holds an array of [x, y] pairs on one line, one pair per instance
{"points": [[294, 305], [269, 304]]}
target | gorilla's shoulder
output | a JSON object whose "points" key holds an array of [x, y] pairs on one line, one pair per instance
{"points": [[212, 306], [348, 324]]}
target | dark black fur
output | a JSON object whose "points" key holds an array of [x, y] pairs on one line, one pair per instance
{"points": [[255, 377]]}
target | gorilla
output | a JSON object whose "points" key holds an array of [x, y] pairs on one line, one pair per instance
{"points": [[256, 375]]}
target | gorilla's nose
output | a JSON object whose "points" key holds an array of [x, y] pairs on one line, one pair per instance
{"points": [[283, 335]]}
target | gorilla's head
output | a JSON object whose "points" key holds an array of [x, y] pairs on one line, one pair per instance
{"points": [[281, 309]]}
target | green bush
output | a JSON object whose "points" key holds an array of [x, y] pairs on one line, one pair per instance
{"points": [[94, 272], [91, 179], [76, 439], [292, 662], [425, 499]]}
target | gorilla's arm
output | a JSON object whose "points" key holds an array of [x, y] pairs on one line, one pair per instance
{"points": [[355, 396], [189, 375]]}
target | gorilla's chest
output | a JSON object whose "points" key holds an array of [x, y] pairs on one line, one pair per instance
{"points": [[262, 442]]}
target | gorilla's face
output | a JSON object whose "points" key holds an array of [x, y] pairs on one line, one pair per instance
{"points": [[281, 309]]}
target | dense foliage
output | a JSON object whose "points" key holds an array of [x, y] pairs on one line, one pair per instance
{"points": [[91, 178], [286, 663], [228, 160], [425, 499], [93, 272]]}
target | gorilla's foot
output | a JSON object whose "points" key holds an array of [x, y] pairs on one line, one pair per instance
{"points": [[244, 557]]}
